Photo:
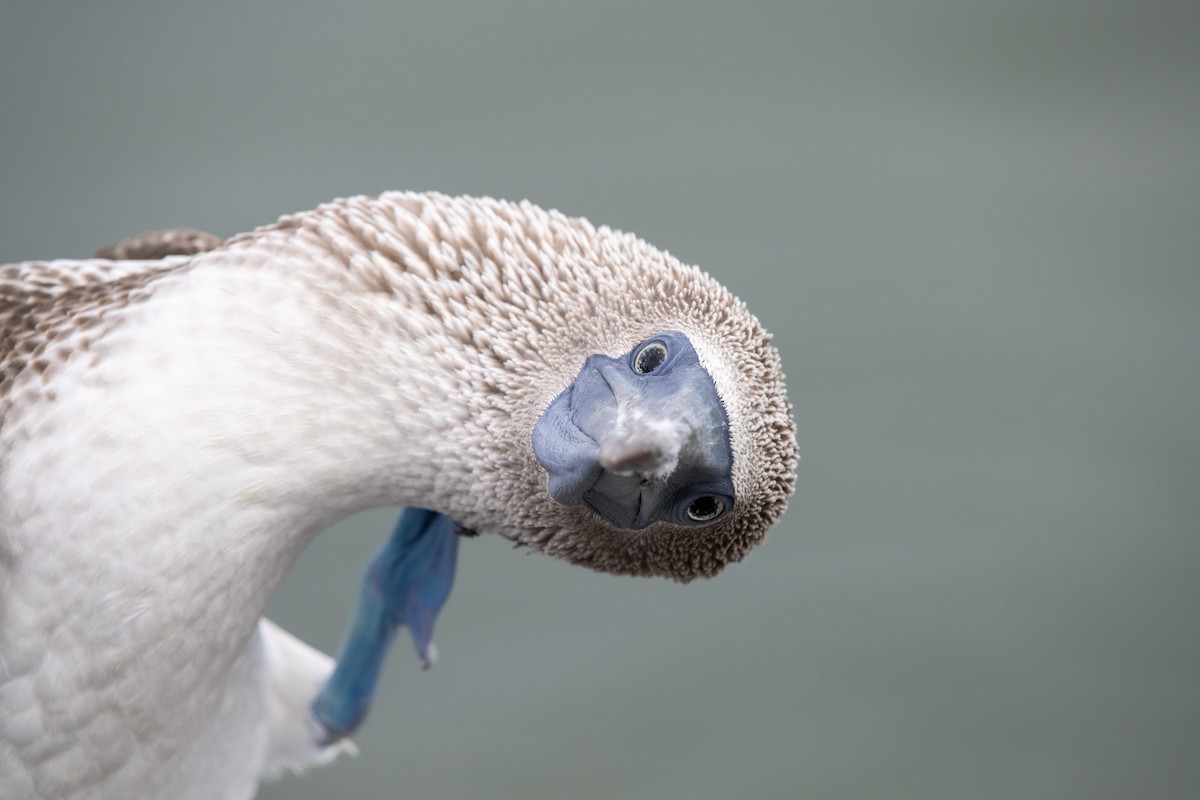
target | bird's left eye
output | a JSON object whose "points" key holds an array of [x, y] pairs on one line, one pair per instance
{"points": [[650, 357], [705, 508]]}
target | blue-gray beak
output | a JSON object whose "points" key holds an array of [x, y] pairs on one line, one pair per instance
{"points": [[640, 438]]}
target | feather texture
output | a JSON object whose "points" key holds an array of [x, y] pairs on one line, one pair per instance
{"points": [[173, 432]]}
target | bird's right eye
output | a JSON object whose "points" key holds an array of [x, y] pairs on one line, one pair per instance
{"points": [[650, 357]]}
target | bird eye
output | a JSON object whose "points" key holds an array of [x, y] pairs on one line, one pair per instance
{"points": [[705, 508], [649, 358]]}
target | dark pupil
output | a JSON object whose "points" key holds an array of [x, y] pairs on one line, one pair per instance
{"points": [[651, 357], [704, 507]]}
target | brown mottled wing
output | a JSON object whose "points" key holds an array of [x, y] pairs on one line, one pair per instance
{"points": [[42, 303], [49, 309], [160, 244]]}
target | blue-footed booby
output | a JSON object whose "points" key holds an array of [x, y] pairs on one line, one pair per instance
{"points": [[182, 414]]}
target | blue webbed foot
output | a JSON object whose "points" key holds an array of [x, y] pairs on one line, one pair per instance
{"points": [[406, 584]]}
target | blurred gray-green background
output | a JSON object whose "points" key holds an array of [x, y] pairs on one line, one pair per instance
{"points": [[973, 227]]}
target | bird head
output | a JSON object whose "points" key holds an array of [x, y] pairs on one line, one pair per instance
{"points": [[584, 393], [672, 457]]}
